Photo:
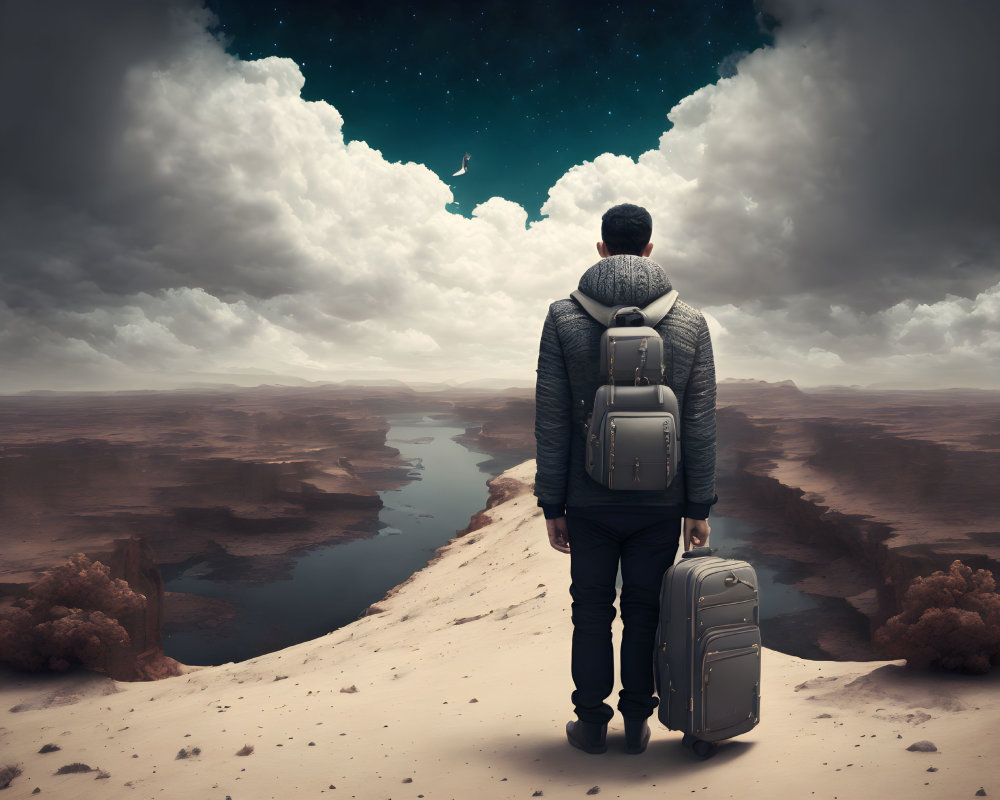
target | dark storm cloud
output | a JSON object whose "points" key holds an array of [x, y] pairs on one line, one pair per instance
{"points": [[63, 72], [908, 204], [90, 217], [62, 69]]}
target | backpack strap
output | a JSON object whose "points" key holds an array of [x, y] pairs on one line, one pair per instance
{"points": [[602, 313], [654, 312], [659, 308]]}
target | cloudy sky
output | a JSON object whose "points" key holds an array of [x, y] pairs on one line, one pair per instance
{"points": [[175, 208]]}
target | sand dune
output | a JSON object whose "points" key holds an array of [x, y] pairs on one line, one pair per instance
{"points": [[459, 688]]}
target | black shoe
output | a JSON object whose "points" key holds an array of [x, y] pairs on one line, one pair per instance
{"points": [[590, 737], [636, 735]]}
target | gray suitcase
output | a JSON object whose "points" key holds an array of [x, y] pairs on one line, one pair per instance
{"points": [[707, 661]]}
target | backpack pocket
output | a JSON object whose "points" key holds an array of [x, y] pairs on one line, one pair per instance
{"points": [[637, 450], [632, 356], [633, 437]]}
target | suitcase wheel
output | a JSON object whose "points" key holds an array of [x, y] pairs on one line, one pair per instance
{"points": [[701, 748]]}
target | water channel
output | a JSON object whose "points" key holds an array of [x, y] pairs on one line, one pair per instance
{"points": [[330, 586]]}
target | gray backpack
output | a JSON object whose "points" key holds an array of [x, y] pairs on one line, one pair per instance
{"points": [[633, 432]]}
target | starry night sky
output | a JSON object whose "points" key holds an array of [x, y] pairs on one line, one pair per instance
{"points": [[527, 88]]}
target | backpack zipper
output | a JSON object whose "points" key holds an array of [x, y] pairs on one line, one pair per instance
{"points": [[666, 439], [611, 466], [643, 347]]}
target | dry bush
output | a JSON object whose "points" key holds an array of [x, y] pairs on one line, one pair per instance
{"points": [[49, 748], [82, 583], [71, 616], [7, 774], [76, 766], [246, 750], [949, 620]]}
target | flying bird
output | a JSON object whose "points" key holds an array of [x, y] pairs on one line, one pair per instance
{"points": [[465, 166]]}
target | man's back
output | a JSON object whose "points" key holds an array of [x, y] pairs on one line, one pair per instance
{"points": [[569, 374]]}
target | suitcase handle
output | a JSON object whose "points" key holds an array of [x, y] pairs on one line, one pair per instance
{"points": [[698, 552]]}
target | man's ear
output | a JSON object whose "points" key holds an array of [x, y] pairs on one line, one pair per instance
{"points": [[603, 250], [647, 250]]}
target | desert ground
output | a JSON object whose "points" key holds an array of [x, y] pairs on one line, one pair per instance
{"points": [[457, 686]]}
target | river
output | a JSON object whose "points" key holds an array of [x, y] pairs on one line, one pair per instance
{"points": [[330, 586]]}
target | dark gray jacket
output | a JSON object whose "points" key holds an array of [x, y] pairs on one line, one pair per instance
{"points": [[569, 374]]}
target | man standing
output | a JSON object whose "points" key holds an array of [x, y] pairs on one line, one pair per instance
{"points": [[601, 528]]}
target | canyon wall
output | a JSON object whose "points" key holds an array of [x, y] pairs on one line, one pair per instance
{"points": [[859, 491], [864, 490], [231, 485]]}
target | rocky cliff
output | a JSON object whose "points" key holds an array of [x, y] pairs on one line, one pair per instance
{"points": [[230, 483], [863, 490]]}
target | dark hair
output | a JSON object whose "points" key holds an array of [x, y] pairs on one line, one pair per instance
{"points": [[626, 228]]}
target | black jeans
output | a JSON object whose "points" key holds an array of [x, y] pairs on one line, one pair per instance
{"points": [[645, 541]]}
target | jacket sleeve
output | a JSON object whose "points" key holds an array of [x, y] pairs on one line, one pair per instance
{"points": [[553, 422], [698, 431]]}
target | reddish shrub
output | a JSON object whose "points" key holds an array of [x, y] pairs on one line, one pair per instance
{"points": [[949, 620], [70, 617], [82, 583]]}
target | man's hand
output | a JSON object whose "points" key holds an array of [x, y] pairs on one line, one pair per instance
{"points": [[558, 534], [695, 533]]}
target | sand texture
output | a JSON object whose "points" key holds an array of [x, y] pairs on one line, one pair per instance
{"points": [[459, 688]]}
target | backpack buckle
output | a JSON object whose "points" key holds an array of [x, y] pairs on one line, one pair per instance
{"points": [[628, 317]]}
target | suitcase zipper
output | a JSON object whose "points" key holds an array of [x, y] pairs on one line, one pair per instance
{"points": [[751, 605], [702, 606], [732, 579], [730, 654]]}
